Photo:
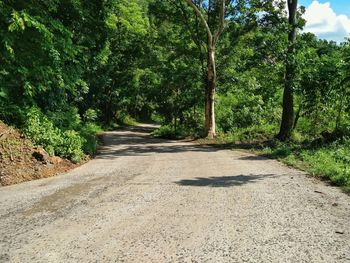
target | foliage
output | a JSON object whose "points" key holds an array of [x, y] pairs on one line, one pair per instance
{"points": [[88, 132], [42, 131], [126, 120], [71, 146], [169, 132]]}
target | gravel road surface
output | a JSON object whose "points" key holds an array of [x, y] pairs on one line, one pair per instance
{"points": [[150, 200]]}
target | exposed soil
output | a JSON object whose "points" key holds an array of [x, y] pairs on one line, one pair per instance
{"points": [[17, 163], [149, 200]]}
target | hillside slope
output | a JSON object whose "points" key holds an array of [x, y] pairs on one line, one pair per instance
{"points": [[21, 160]]}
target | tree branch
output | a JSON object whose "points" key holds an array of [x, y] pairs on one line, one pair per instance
{"points": [[201, 17], [194, 34], [222, 22]]}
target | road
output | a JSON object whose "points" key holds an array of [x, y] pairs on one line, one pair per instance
{"points": [[150, 200]]}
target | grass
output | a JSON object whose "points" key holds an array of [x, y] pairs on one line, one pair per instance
{"points": [[329, 161]]}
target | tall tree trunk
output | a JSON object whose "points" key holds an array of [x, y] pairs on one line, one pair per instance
{"points": [[209, 125], [288, 97], [210, 94]]}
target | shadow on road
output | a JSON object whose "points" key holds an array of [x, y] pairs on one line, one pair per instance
{"points": [[137, 141], [253, 158], [224, 181], [142, 128]]}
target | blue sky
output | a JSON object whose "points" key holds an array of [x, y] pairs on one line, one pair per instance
{"points": [[328, 19], [339, 6]]}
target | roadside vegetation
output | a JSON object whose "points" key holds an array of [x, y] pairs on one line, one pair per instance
{"points": [[328, 161]]}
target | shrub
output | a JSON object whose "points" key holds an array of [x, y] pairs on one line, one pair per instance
{"points": [[41, 130], [65, 119], [239, 110], [71, 146], [88, 132], [125, 119], [168, 132], [90, 115]]}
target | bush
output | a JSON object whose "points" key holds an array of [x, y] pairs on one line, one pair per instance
{"points": [[239, 110], [168, 132], [71, 146], [90, 115], [41, 130], [128, 120], [88, 132], [125, 119], [254, 133], [65, 119]]}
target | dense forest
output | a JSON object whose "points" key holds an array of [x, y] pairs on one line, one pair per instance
{"points": [[239, 70]]}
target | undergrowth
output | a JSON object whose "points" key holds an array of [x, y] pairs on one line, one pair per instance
{"points": [[168, 132], [70, 138]]}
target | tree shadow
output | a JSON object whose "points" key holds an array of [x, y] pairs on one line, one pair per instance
{"points": [[224, 181], [253, 158], [141, 128], [127, 142]]}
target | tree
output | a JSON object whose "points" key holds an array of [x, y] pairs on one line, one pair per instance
{"points": [[209, 126], [320, 89], [288, 99]]}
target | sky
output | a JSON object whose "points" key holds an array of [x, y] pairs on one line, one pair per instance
{"points": [[328, 19]]}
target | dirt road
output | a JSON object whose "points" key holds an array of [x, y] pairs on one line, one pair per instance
{"points": [[151, 200]]}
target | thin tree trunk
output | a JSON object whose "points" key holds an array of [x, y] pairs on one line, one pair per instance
{"points": [[210, 95], [297, 116], [288, 98], [209, 125]]}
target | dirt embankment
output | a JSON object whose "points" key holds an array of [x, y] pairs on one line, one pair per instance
{"points": [[21, 160]]}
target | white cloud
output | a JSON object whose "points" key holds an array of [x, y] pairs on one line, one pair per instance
{"points": [[325, 23]]}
